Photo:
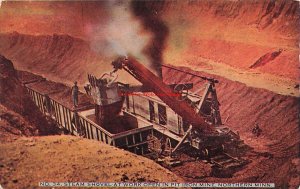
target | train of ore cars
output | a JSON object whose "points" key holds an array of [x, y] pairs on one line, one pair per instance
{"points": [[155, 120]]}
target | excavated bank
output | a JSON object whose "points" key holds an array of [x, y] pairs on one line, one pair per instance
{"points": [[17, 107], [276, 151], [56, 57], [63, 57]]}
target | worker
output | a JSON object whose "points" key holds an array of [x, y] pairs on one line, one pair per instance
{"points": [[256, 130], [75, 91], [162, 145], [87, 88]]}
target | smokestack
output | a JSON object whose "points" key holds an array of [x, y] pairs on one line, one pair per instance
{"points": [[149, 12]]}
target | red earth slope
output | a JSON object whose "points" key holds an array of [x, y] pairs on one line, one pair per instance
{"points": [[62, 57], [57, 57], [17, 108], [235, 33], [277, 149]]}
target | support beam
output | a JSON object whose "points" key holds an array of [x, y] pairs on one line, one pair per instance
{"points": [[217, 115], [183, 139], [204, 96]]}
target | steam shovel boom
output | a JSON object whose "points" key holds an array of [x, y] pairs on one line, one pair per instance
{"points": [[164, 92]]}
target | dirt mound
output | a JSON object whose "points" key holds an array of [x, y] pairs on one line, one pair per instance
{"points": [[276, 151], [14, 98], [27, 161], [13, 125]]}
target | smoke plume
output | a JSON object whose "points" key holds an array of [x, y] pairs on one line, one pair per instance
{"points": [[133, 28], [149, 12]]}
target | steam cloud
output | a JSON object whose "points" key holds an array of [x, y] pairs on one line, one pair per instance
{"points": [[132, 28], [121, 34]]}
